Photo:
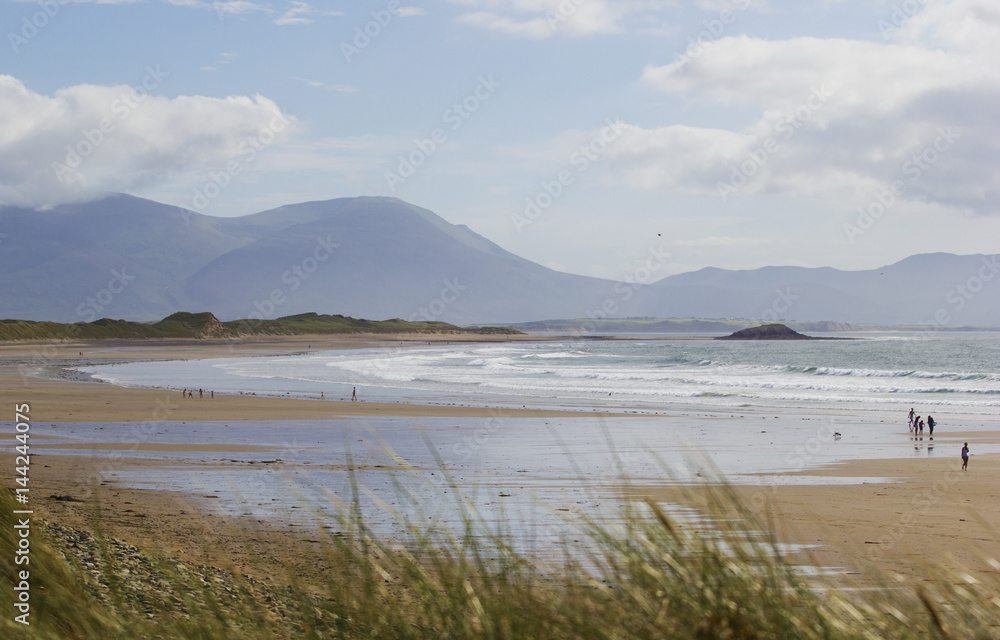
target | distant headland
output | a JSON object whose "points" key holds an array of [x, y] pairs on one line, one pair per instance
{"points": [[771, 332], [206, 326]]}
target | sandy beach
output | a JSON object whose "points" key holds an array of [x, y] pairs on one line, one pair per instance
{"points": [[928, 516], [927, 513]]}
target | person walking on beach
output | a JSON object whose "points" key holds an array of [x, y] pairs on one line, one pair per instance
{"points": [[909, 424], [965, 457], [930, 424], [354, 394]]}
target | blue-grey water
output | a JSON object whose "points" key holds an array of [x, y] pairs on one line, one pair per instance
{"points": [[749, 410], [948, 371]]}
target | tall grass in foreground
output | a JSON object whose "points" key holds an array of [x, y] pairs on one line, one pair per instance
{"points": [[647, 577]]}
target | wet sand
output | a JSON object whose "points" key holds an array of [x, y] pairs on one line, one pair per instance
{"points": [[928, 515], [931, 513], [177, 523], [58, 400], [68, 401], [65, 489]]}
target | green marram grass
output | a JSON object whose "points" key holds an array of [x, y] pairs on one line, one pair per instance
{"points": [[184, 325], [645, 576]]}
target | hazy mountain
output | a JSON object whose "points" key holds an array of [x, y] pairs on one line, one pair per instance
{"points": [[380, 258], [930, 288], [119, 256], [377, 258]]}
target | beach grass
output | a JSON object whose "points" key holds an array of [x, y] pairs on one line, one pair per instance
{"points": [[645, 575], [185, 325]]}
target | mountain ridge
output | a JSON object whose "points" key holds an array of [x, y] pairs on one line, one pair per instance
{"points": [[378, 257]]}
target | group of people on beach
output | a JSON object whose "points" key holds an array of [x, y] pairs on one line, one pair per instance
{"points": [[916, 423], [189, 393]]}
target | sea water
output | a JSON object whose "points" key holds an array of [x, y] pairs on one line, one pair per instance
{"points": [[751, 411], [940, 371]]}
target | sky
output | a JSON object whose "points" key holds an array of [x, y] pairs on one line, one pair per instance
{"points": [[585, 135]]}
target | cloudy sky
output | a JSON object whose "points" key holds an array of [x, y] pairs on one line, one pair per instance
{"points": [[581, 134]]}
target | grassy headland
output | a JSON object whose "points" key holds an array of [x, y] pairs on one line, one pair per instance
{"points": [[206, 325]]}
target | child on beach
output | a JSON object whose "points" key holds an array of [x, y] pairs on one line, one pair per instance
{"points": [[965, 457]]}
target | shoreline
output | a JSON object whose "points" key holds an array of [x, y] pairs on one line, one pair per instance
{"points": [[69, 398], [925, 506], [927, 517]]}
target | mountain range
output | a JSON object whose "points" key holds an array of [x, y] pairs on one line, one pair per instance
{"points": [[381, 258]]}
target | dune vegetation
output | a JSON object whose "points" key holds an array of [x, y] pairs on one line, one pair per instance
{"points": [[206, 325], [644, 577]]}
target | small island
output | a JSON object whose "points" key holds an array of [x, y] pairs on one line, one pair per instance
{"points": [[769, 332]]}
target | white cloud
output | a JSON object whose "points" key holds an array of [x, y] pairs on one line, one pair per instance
{"points": [[296, 14], [223, 8], [317, 84], [918, 109], [88, 138], [227, 8], [226, 57], [682, 159], [87, 1], [540, 19], [716, 6], [960, 25]]}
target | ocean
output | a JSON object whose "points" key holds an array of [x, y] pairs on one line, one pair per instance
{"points": [[943, 371], [751, 411]]}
